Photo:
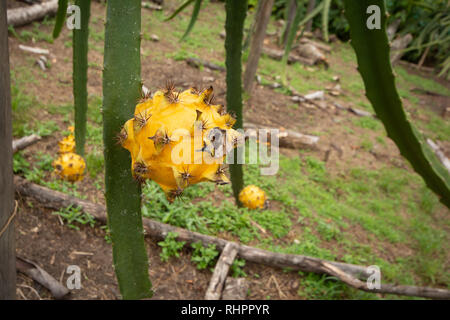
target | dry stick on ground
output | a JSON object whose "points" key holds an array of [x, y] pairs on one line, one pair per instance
{"points": [[24, 15], [219, 276], [196, 63], [157, 230], [34, 49], [412, 291], [235, 289], [397, 47], [39, 275], [278, 55], [151, 6], [287, 138], [22, 143]]}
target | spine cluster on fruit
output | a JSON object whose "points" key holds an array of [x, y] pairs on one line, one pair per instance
{"points": [[178, 139]]}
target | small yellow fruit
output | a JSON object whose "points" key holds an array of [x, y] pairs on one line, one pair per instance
{"points": [[69, 166], [67, 144], [252, 197]]}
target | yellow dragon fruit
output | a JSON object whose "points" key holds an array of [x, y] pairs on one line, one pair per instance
{"points": [[253, 197], [67, 144], [179, 139], [69, 166]]}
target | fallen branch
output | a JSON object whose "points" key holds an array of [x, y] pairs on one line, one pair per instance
{"points": [[235, 289], [56, 200], [397, 47], [197, 63], [216, 284], [39, 275], [358, 112], [151, 6], [412, 291], [278, 55], [288, 138], [157, 230], [33, 49], [22, 143], [24, 15], [310, 51]]}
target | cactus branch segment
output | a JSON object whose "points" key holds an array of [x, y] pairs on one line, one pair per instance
{"points": [[372, 51], [80, 68], [234, 26], [121, 89]]}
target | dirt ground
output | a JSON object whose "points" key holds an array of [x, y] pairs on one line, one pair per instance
{"points": [[41, 237]]}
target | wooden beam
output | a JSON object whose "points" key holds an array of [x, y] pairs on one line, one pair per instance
{"points": [[24, 15], [22, 143], [7, 230], [216, 284]]}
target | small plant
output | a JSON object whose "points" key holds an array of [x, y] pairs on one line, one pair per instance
{"points": [[107, 234], [74, 214], [20, 164], [236, 268], [202, 256], [170, 246]]}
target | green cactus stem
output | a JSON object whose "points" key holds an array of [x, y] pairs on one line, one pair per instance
{"points": [[121, 90], [372, 51]]}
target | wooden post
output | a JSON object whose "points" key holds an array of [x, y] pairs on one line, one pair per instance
{"points": [[257, 42], [7, 234]]}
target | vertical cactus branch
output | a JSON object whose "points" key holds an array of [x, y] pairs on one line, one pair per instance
{"points": [[121, 90], [194, 16], [372, 51], [325, 16], [236, 11], [60, 17], [80, 66]]}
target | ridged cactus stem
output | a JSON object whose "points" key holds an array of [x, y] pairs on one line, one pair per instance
{"points": [[121, 90], [60, 17], [236, 11], [372, 51], [80, 68], [194, 16]]}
